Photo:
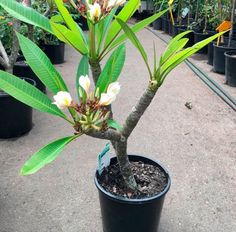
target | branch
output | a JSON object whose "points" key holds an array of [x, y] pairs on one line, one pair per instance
{"points": [[4, 60], [110, 134], [137, 112]]}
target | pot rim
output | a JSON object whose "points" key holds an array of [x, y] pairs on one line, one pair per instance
{"points": [[135, 201], [223, 47], [230, 53]]}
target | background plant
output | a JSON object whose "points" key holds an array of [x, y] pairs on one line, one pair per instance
{"points": [[92, 115]]}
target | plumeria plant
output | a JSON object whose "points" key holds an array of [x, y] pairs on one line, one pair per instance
{"points": [[91, 114]]}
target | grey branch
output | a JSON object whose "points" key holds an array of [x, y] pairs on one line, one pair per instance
{"points": [[110, 134], [4, 60], [137, 112]]}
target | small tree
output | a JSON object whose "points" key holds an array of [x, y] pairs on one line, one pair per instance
{"points": [[232, 23]]}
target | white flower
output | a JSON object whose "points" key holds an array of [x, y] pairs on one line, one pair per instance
{"points": [[113, 88], [112, 91], [25, 3], [114, 3], [95, 11], [84, 83], [106, 99], [62, 99]]}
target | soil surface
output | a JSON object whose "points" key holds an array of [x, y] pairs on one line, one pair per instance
{"points": [[150, 179]]}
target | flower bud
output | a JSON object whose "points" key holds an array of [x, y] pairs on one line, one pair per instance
{"points": [[84, 83], [106, 99], [115, 3], [113, 88], [95, 11], [62, 99]]}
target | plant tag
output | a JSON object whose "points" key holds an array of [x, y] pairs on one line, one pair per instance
{"points": [[185, 12], [104, 159]]}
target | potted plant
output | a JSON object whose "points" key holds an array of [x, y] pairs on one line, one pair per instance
{"points": [[129, 204], [52, 46], [221, 48], [16, 117], [230, 56]]}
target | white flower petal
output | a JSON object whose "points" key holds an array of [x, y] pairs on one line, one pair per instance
{"points": [[95, 11], [62, 99], [106, 99], [84, 83], [113, 88]]}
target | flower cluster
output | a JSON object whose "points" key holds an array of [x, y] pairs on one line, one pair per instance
{"points": [[92, 109], [97, 9]]}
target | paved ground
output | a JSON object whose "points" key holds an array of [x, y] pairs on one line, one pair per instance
{"points": [[198, 146]]}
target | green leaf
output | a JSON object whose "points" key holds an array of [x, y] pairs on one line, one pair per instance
{"points": [[112, 69], [136, 28], [57, 19], [26, 14], [125, 14], [41, 65], [69, 37], [83, 70], [179, 57], [175, 45], [27, 94], [45, 155], [133, 38], [114, 124]]}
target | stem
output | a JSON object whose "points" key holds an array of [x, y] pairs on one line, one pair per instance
{"points": [[4, 60], [205, 26]]}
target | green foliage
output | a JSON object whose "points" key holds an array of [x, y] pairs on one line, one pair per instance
{"points": [[27, 94], [41, 65], [46, 155], [114, 124], [112, 69]]}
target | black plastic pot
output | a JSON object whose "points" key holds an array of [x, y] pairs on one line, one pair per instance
{"points": [[170, 28], [219, 57], [175, 30], [22, 69], [131, 215], [83, 23], [190, 36], [157, 24], [55, 53], [165, 25], [199, 37], [210, 53], [15, 116], [230, 68]]}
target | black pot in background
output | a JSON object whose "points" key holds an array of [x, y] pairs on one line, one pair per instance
{"points": [[210, 53], [21, 69], [82, 23], [16, 117], [128, 215], [230, 68], [190, 36], [165, 25], [157, 24], [176, 31], [199, 37], [170, 28], [226, 40], [55, 53], [219, 57]]}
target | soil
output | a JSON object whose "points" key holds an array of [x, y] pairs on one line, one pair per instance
{"points": [[151, 181]]}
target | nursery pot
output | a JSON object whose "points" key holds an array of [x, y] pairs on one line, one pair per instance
{"points": [[199, 37], [22, 69], [82, 23], [165, 25], [210, 53], [15, 116], [121, 214], [219, 57], [189, 36], [176, 31], [157, 24], [170, 27], [55, 53], [230, 68]]}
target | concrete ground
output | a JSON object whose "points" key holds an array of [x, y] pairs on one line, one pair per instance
{"points": [[198, 146]]}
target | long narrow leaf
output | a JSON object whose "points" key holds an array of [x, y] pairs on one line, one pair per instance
{"points": [[83, 70], [124, 15], [41, 65], [45, 155], [112, 69], [69, 37], [133, 38], [27, 94], [26, 14], [136, 28]]}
